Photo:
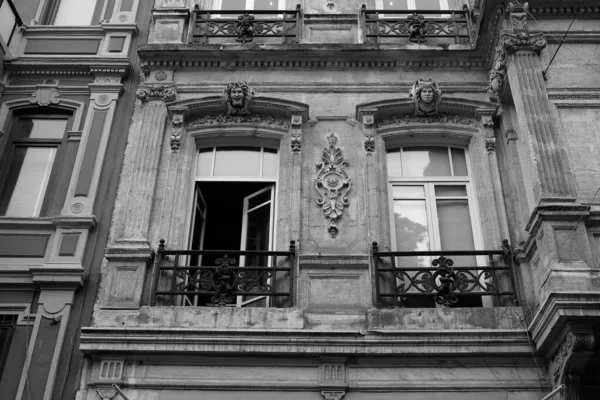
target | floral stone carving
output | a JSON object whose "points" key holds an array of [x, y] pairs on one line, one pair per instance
{"points": [[332, 183], [439, 119], [156, 92], [245, 28], [237, 97], [225, 119], [426, 96], [176, 131]]}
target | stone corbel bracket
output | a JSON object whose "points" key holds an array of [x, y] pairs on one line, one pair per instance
{"points": [[332, 183], [487, 126], [569, 362]]}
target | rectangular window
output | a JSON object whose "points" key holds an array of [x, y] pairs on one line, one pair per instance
{"points": [[32, 156], [421, 5], [74, 12], [228, 5], [431, 203]]}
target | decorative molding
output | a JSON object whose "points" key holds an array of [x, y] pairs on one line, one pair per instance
{"points": [[523, 41], [226, 119], [440, 119], [487, 124], [237, 97], [333, 183], [296, 132], [369, 130], [562, 11], [426, 97], [156, 92], [176, 130], [46, 93], [333, 394], [517, 16], [497, 74], [106, 393], [107, 80], [160, 75]]}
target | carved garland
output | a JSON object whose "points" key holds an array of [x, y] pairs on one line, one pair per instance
{"points": [[176, 131], [333, 184], [156, 92]]}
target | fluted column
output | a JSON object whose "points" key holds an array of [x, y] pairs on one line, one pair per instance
{"points": [[141, 166]]}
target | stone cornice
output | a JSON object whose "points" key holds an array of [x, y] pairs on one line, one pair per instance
{"points": [[407, 342], [65, 65]]}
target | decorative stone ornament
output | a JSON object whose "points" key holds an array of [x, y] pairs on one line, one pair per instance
{"points": [[156, 92], [46, 93], [517, 16], [106, 393], [571, 359], [237, 97], [426, 96], [176, 131], [245, 28], [369, 129], [333, 394], [296, 133], [416, 28], [330, 4], [332, 183]]}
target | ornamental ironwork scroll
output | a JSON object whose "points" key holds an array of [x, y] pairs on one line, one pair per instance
{"points": [[333, 184]]}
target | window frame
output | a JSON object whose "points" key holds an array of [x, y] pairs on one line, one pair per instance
{"points": [[13, 143], [218, 5], [430, 199], [50, 8]]}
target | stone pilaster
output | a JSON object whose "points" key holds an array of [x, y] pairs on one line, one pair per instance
{"points": [[517, 60], [140, 169]]}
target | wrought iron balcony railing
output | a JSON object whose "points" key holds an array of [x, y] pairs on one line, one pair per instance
{"points": [[218, 278], [418, 26], [244, 26], [401, 280], [10, 20]]}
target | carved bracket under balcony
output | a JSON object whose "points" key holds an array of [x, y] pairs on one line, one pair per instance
{"points": [[570, 361], [333, 184]]}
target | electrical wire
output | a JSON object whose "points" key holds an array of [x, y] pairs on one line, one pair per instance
{"points": [[559, 46], [584, 62]]}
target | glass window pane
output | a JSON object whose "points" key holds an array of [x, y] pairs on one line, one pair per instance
{"points": [[427, 4], [259, 199], [425, 161], [459, 162], [75, 12], [393, 163], [257, 235], [233, 5], [456, 232], [236, 161], [408, 191], [450, 191], [395, 5], [410, 219], [7, 21], [47, 128], [28, 177], [266, 4], [205, 159], [270, 162]]}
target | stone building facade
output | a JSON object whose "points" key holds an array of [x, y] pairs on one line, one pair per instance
{"points": [[337, 200], [67, 90]]}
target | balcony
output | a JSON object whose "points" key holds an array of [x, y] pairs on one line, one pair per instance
{"points": [[419, 27], [223, 278], [9, 20], [217, 26], [402, 280]]}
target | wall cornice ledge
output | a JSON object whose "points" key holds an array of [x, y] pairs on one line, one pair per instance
{"points": [[169, 340]]}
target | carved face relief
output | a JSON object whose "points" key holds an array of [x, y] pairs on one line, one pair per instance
{"points": [[427, 95], [237, 97]]}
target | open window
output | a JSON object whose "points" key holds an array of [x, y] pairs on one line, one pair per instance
{"points": [[234, 209], [431, 206]]}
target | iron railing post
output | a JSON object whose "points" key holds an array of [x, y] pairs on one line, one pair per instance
{"points": [[156, 272], [374, 251], [292, 271]]}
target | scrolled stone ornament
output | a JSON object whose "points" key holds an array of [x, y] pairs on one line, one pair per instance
{"points": [[237, 97], [426, 97]]}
